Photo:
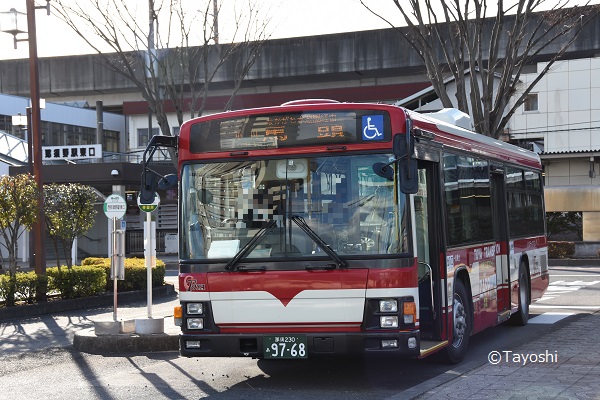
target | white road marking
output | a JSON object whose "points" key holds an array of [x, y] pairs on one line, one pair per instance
{"points": [[559, 287], [567, 307], [549, 318]]}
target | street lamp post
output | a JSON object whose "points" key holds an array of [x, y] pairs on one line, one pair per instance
{"points": [[34, 83]]}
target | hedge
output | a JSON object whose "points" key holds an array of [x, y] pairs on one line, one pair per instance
{"points": [[79, 281], [560, 249], [135, 273], [25, 285], [91, 278]]}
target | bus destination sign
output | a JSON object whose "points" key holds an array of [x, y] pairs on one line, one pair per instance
{"points": [[308, 128]]}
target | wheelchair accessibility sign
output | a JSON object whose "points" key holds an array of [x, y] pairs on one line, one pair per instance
{"points": [[372, 127]]}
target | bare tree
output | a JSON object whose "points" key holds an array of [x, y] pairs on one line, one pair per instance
{"points": [[173, 59], [485, 50]]}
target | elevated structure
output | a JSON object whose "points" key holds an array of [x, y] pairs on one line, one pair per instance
{"points": [[355, 66], [13, 150]]}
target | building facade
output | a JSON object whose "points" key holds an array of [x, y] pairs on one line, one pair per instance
{"points": [[561, 120]]}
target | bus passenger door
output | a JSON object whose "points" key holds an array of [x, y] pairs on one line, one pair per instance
{"points": [[500, 227], [427, 227]]}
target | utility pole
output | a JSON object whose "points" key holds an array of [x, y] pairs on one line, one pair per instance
{"points": [[150, 70], [216, 20], [36, 128]]}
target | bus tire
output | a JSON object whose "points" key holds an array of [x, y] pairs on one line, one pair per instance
{"points": [[462, 324], [521, 317]]}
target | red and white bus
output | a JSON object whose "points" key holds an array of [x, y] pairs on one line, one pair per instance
{"points": [[319, 228]]}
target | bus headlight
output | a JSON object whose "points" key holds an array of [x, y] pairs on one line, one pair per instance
{"points": [[389, 305], [195, 308], [388, 321], [195, 323]]}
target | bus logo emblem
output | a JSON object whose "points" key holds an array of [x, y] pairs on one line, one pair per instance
{"points": [[191, 285], [372, 127]]}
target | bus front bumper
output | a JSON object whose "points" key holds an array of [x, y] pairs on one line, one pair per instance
{"points": [[401, 344]]}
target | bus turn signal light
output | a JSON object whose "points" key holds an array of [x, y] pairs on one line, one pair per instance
{"points": [[177, 312], [410, 312], [177, 315]]}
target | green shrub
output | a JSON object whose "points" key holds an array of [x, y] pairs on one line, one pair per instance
{"points": [[21, 287], [560, 249], [79, 281], [27, 284], [135, 273], [95, 261]]}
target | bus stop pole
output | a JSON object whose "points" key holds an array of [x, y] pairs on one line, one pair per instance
{"points": [[149, 253], [113, 260]]}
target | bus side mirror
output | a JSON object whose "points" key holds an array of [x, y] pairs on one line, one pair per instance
{"points": [[404, 145], [148, 187], [408, 176], [204, 196], [167, 182], [404, 149]]}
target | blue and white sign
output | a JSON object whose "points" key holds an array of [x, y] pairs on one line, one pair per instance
{"points": [[372, 127]]}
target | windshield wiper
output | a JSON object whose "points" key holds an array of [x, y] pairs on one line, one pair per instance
{"points": [[320, 242], [250, 245]]}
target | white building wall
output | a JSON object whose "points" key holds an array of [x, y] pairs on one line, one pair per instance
{"points": [[568, 115], [568, 122], [141, 122]]}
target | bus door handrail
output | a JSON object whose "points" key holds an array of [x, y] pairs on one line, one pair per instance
{"points": [[430, 286]]}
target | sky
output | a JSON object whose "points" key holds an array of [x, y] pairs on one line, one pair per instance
{"points": [[290, 18]]}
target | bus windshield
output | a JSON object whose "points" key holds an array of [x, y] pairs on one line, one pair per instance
{"points": [[291, 208]]}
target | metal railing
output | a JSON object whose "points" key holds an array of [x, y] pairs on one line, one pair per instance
{"points": [[135, 241]]}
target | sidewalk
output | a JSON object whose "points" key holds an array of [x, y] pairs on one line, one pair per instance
{"points": [[63, 329], [87, 341], [563, 364], [75, 325]]}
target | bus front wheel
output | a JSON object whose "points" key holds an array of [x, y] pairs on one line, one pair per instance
{"points": [[462, 324]]}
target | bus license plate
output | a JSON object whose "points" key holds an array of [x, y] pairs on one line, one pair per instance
{"points": [[285, 346]]}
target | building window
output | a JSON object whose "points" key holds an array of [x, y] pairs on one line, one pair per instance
{"points": [[143, 138], [531, 102], [111, 141]]}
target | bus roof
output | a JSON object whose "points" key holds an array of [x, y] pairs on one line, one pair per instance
{"points": [[464, 139], [447, 134]]}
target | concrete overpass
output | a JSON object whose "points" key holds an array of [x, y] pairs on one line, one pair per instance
{"points": [[355, 65]]}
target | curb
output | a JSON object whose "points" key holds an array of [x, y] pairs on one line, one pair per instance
{"points": [[104, 300], [574, 262], [88, 342]]}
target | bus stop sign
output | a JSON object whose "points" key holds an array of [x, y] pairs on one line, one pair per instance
{"points": [[115, 206], [149, 207]]}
